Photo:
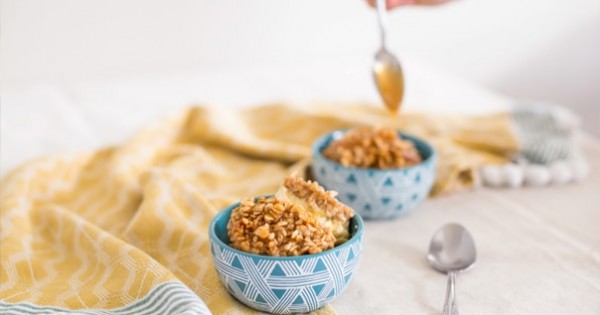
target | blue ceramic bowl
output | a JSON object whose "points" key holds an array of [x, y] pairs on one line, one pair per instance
{"points": [[376, 193], [284, 285]]}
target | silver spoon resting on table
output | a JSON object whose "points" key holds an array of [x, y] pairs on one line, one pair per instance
{"points": [[387, 71], [451, 250]]}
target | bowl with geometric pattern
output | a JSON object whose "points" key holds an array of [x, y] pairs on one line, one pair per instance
{"points": [[284, 285], [376, 193]]}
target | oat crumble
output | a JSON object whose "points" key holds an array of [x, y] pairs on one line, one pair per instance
{"points": [[302, 218], [373, 147]]}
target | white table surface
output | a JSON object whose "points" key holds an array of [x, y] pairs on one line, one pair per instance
{"points": [[538, 248], [538, 253]]}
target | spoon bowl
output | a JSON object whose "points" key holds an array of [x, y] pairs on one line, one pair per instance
{"points": [[389, 79], [451, 249]]}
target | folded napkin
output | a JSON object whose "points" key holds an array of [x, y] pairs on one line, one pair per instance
{"points": [[548, 151], [123, 230]]}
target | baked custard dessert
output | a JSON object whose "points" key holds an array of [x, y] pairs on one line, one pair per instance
{"points": [[373, 147], [301, 218]]}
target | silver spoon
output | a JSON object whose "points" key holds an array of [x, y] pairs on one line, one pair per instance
{"points": [[387, 71], [451, 250]]}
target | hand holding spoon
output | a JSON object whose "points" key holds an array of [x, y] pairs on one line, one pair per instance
{"points": [[387, 71], [451, 250]]}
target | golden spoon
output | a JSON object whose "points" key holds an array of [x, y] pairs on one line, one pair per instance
{"points": [[387, 71]]}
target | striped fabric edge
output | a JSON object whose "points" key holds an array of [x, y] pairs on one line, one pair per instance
{"points": [[542, 139], [166, 298]]}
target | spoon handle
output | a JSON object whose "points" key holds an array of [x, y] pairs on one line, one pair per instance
{"points": [[450, 307], [382, 18]]}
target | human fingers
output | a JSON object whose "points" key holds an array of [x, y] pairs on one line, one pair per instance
{"points": [[390, 4]]}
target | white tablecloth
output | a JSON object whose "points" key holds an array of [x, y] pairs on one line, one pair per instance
{"points": [[538, 248], [538, 253]]}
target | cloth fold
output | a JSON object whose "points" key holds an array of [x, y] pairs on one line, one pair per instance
{"points": [[127, 226]]}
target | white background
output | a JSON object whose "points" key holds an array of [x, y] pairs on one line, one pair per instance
{"points": [[86, 73]]}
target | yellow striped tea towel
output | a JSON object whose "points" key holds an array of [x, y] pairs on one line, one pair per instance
{"points": [[123, 230]]}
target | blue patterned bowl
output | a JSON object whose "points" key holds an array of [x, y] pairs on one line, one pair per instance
{"points": [[284, 285], [376, 193]]}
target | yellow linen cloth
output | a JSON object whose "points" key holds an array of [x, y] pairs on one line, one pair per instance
{"points": [[103, 230]]}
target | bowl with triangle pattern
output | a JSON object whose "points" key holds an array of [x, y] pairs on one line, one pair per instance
{"points": [[284, 284], [376, 193]]}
